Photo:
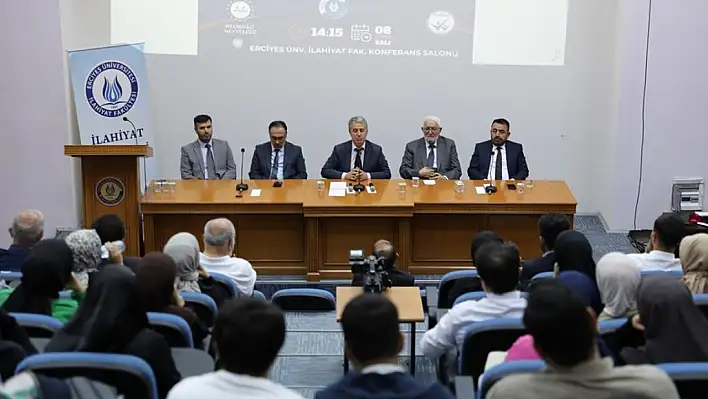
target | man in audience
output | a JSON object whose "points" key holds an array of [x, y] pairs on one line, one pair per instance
{"points": [[565, 335], [668, 231], [110, 228], [384, 249], [465, 285], [498, 158], [219, 244], [278, 159], [247, 336], [498, 268], [549, 226], [357, 159], [372, 342], [207, 158], [27, 229], [431, 157]]}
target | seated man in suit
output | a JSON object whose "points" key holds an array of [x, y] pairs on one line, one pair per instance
{"points": [[384, 249], [432, 156], [549, 226], [207, 158], [278, 159], [498, 158], [110, 228], [358, 159]]}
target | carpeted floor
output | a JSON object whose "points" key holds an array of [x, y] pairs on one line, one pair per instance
{"points": [[312, 355]]}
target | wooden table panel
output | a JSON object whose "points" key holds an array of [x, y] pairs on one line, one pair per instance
{"points": [[444, 240], [342, 235]]}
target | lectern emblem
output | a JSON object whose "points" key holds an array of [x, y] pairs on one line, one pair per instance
{"points": [[110, 191]]}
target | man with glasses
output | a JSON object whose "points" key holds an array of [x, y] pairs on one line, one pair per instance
{"points": [[432, 156], [498, 158]]}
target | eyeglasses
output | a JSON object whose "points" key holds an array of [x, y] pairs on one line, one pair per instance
{"points": [[430, 129]]}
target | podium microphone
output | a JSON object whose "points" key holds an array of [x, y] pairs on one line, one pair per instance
{"points": [[491, 188], [135, 132], [241, 187]]}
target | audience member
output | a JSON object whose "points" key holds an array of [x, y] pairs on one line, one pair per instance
{"points": [[574, 252], [693, 254], [674, 327], [86, 247], [218, 255], [45, 272], [15, 345], [112, 319], [110, 228], [463, 286], [384, 249], [498, 268], [668, 231], [372, 341], [549, 226], [27, 229], [581, 284], [564, 333], [28, 385], [248, 336], [618, 279]]}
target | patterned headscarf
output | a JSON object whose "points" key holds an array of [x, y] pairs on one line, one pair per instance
{"points": [[86, 247], [183, 248], [693, 253]]}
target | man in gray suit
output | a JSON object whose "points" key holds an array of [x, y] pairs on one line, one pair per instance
{"points": [[432, 156], [207, 158]]}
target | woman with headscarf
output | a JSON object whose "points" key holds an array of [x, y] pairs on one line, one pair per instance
{"points": [[45, 272], [618, 279], [86, 247], [574, 252], [112, 319], [156, 273], [693, 253]]}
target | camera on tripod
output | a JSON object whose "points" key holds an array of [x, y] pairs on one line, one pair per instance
{"points": [[374, 278]]}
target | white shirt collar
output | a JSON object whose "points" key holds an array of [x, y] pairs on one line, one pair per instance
{"points": [[384, 368], [203, 144], [427, 145], [363, 147], [282, 149], [662, 255]]}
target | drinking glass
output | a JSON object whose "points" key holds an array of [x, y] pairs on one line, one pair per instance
{"points": [[172, 186], [520, 188], [320, 186], [459, 186], [529, 183], [157, 186], [402, 187], [416, 181]]}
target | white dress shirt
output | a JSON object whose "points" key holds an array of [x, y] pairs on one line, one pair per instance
{"points": [[657, 260], [239, 270], [223, 384], [434, 150], [383, 368], [493, 163], [449, 333], [204, 157], [280, 161], [353, 160]]}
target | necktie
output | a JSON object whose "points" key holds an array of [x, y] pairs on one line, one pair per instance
{"points": [[498, 166], [211, 167], [274, 167], [357, 160], [430, 162]]}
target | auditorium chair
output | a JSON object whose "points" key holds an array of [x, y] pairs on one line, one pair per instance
{"points": [[203, 305], [673, 273], [12, 279], [691, 379], [438, 297], [230, 286], [38, 325], [701, 300], [476, 296], [174, 328], [607, 326], [304, 299], [192, 362], [498, 372]]}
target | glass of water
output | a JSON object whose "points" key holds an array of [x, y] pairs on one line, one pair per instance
{"points": [[157, 186], [416, 181], [320, 186], [172, 186], [459, 186], [529, 183], [402, 187], [520, 188]]}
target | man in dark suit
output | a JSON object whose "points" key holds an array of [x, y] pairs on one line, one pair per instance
{"points": [[384, 249], [498, 158], [549, 226], [432, 156], [206, 158], [358, 159], [110, 228], [278, 159]]}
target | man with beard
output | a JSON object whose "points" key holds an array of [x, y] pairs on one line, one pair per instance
{"points": [[498, 158], [431, 157], [207, 158]]}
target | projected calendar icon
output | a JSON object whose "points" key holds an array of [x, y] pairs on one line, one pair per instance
{"points": [[361, 33]]}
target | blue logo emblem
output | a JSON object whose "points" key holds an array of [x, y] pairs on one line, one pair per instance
{"points": [[333, 9], [111, 89]]}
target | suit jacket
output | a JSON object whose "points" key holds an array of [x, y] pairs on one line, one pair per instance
{"points": [[534, 267], [192, 162], [515, 161], [293, 163], [340, 161], [416, 154]]}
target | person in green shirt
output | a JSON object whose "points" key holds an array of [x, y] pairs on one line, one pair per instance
{"points": [[45, 272]]}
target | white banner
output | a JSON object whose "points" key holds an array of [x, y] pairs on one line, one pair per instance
{"points": [[110, 86]]}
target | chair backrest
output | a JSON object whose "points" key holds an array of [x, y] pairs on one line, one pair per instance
{"points": [[130, 375], [477, 295], [701, 300], [606, 326], [259, 295], [496, 373], [12, 279], [484, 337], [691, 379], [448, 281], [674, 273], [38, 325], [174, 328], [543, 275], [203, 305], [226, 282], [304, 299], [192, 362]]}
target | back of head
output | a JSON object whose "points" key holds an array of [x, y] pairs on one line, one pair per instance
{"points": [[183, 248], [483, 237], [618, 279], [371, 329], [86, 247], [155, 281], [248, 333], [582, 285], [498, 267], [550, 225], [384, 249], [557, 319], [109, 228], [27, 228], [573, 252], [694, 253], [669, 229], [219, 233]]}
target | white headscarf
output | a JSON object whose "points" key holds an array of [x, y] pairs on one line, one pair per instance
{"points": [[618, 279], [183, 248], [85, 246]]}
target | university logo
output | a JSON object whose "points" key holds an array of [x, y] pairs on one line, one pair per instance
{"points": [[110, 191], [240, 10], [333, 9], [441, 22], [111, 89]]}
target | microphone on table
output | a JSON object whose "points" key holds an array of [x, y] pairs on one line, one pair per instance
{"points": [[135, 131], [491, 188], [241, 187], [358, 187]]}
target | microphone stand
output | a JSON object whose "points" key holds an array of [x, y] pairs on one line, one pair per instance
{"points": [[491, 188], [135, 132], [241, 187]]}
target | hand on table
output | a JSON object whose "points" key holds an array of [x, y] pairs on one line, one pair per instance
{"points": [[426, 173], [438, 176]]}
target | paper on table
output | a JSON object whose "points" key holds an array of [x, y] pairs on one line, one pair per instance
{"points": [[480, 190], [429, 182], [337, 189], [256, 192]]}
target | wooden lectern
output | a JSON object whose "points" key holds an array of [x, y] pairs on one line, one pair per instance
{"points": [[111, 183]]}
